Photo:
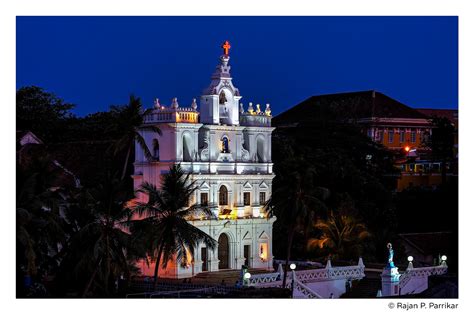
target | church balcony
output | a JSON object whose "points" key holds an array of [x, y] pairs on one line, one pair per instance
{"points": [[220, 167], [178, 115], [255, 119]]}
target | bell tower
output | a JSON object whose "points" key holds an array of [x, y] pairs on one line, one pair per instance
{"points": [[220, 101]]}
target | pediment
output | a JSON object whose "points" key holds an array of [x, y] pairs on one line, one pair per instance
{"points": [[263, 185], [247, 236], [264, 236], [247, 185], [204, 186]]}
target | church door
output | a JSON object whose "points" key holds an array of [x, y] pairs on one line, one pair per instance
{"points": [[204, 258], [247, 255], [223, 251]]}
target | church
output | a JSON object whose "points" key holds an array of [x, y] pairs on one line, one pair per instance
{"points": [[226, 149]]}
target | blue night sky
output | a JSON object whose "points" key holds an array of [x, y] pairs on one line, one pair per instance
{"points": [[95, 62]]}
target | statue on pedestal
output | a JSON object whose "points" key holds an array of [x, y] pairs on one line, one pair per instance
{"points": [[390, 256]]}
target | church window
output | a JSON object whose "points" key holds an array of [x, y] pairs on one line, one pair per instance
{"points": [[247, 198], [222, 98], [156, 149], [263, 198], [223, 196], [263, 252], [204, 199]]}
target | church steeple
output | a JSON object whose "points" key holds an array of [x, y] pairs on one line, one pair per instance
{"points": [[220, 101]]}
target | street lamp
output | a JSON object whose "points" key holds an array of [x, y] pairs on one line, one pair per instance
{"points": [[410, 262], [247, 278], [443, 260], [293, 277]]}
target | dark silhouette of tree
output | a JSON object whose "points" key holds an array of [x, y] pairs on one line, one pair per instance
{"points": [[441, 143], [296, 201], [41, 112], [100, 242], [129, 123], [164, 229]]}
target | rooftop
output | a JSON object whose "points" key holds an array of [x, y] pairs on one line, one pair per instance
{"points": [[350, 105]]}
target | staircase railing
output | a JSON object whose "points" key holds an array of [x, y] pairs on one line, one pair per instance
{"points": [[421, 272], [305, 290]]}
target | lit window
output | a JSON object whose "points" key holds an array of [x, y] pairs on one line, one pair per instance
{"points": [[413, 136], [390, 136]]}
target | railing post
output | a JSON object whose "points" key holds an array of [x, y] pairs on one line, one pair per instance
{"points": [[293, 278]]}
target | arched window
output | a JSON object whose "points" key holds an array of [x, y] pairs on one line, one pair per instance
{"points": [[223, 196], [156, 149], [225, 145], [222, 98]]}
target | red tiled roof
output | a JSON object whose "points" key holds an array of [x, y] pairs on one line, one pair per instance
{"points": [[363, 104], [451, 114]]}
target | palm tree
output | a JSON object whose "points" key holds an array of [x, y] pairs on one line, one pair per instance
{"points": [[129, 123], [296, 200], [100, 244], [40, 229], [342, 234], [165, 228]]}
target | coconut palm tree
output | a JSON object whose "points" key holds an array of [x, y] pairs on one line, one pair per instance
{"points": [[129, 123], [40, 229], [296, 200], [342, 234], [99, 247], [163, 224]]}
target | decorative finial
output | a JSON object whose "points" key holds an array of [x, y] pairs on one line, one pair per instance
{"points": [[268, 111], [241, 108], [194, 104], [226, 46], [250, 110], [157, 104], [258, 109], [174, 103]]}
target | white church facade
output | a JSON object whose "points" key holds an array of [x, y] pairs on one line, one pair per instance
{"points": [[227, 151]]}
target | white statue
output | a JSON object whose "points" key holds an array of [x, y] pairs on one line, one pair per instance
{"points": [[204, 152], [245, 153]]}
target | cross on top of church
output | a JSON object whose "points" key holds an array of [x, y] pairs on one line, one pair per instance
{"points": [[226, 46]]}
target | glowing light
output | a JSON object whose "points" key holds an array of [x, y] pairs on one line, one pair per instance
{"points": [[444, 258], [247, 275], [226, 47], [263, 252], [292, 266], [407, 148], [410, 259]]}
